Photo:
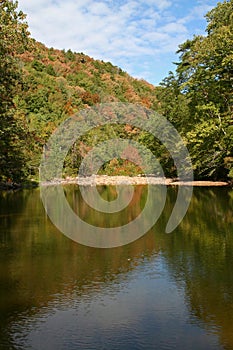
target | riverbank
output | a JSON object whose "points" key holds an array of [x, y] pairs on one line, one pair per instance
{"points": [[13, 186], [104, 180]]}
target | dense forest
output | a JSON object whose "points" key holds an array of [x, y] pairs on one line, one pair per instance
{"points": [[40, 87]]}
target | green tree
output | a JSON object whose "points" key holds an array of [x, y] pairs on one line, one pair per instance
{"points": [[13, 40], [172, 103], [204, 76]]}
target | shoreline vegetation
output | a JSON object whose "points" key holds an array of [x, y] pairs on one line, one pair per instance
{"points": [[41, 88], [105, 180]]}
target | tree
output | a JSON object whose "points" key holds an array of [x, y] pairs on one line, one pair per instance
{"points": [[14, 38], [204, 76]]}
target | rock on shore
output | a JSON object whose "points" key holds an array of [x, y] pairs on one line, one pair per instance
{"points": [[128, 180]]}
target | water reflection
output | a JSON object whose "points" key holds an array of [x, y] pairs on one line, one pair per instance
{"points": [[162, 291]]}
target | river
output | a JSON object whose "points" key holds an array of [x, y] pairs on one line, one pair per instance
{"points": [[163, 291]]}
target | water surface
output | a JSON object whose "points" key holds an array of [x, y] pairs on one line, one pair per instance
{"points": [[163, 291]]}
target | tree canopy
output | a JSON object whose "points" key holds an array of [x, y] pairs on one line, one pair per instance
{"points": [[13, 41], [204, 78]]}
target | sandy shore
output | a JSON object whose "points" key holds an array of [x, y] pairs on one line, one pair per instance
{"points": [[128, 180]]}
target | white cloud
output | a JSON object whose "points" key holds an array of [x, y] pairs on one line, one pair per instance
{"points": [[160, 4], [197, 12], [173, 27]]}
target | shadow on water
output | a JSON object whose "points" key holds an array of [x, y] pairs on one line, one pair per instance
{"points": [[43, 272]]}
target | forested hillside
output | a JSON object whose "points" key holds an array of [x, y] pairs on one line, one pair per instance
{"points": [[40, 87], [58, 84]]}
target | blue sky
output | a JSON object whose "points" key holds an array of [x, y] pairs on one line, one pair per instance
{"points": [[139, 36]]}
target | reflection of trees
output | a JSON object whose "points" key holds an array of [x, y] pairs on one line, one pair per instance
{"points": [[200, 254], [38, 263], [108, 193]]}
